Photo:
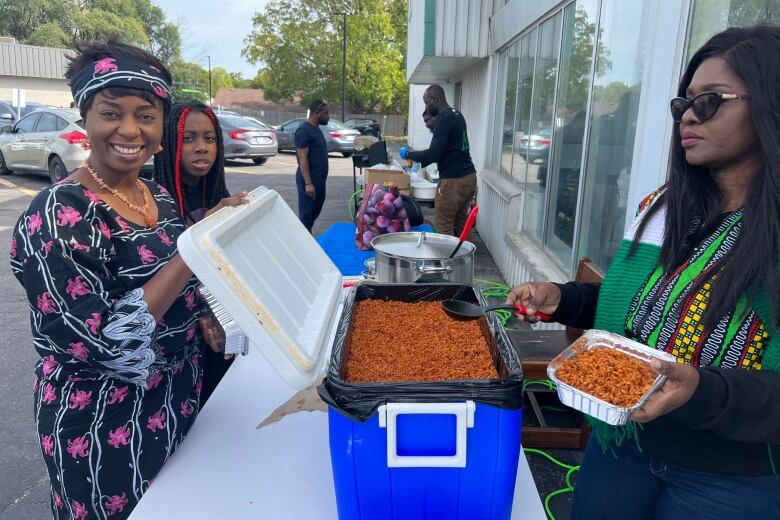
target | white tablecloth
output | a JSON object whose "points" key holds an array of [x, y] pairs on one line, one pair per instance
{"points": [[228, 469]]}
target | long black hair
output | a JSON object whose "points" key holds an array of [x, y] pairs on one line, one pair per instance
{"points": [[167, 163], [691, 194]]}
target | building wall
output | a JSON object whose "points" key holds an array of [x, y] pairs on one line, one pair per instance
{"points": [[475, 107], [415, 38], [463, 28], [53, 92], [32, 61]]}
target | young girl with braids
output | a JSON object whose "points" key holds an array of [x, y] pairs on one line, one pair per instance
{"points": [[192, 168]]}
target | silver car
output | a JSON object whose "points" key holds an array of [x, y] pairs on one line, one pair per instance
{"points": [[246, 139], [48, 140], [338, 137]]}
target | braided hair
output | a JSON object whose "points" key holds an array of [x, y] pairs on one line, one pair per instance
{"points": [[167, 163]]}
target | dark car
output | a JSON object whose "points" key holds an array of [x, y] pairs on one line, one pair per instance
{"points": [[246, 139], [338, 137], [8, 114], [365, 126]]}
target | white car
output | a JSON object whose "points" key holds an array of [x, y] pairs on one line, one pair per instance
{"points": [[48, 141]]}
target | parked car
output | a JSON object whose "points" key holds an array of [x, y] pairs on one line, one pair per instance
{"points": [[539, 146], [219, 110], [338, 137], [48, 140], [365, 126], [247, 139], [8, 112], [260, 122]]}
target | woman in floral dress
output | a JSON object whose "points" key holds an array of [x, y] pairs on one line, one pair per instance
{"points": [[113, 308]]}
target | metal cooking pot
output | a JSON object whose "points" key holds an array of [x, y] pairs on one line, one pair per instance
{"points": [[408, 257]]}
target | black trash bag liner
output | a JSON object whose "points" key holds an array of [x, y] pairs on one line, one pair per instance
{"points": [[413, 211], [359, 400]]}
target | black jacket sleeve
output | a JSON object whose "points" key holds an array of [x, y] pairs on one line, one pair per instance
{"points": [[739, 405], [435, 151], [578, 304]]}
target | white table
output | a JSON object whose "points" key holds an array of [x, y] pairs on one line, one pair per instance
{"points": [[228, 469]]}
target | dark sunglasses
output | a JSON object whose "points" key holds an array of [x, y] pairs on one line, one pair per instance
{"points": [[704, 106]]}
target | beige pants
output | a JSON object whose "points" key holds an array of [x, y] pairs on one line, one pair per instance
{"points": [[452, 203]]}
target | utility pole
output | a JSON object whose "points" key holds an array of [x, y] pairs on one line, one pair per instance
{"points": [[344, 67], [210, 98]]}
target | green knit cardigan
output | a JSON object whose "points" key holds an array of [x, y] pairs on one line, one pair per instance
{"points": [[625, 278]]}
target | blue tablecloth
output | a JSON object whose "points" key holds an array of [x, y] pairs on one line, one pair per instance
{"points": [[338, 241]]}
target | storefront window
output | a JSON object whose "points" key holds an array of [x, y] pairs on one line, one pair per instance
{"points": [[535, 143], [709, 17], [616, 90], [510, 99], [525, 84], [579, 33]]}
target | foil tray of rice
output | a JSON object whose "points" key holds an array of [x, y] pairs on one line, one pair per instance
{"points": [[606, 376]]}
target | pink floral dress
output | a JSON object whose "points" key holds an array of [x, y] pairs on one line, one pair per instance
{"points": [[115, 391]]}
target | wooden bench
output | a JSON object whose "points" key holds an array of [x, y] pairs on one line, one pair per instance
{"points": [[536, 349]]}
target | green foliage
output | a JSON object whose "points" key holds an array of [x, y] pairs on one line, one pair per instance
{"points": [[298, 45], [20, 18], [57, 23], [96, 24], [611, 93], [49, 35], [189, 76], [220, 78]]}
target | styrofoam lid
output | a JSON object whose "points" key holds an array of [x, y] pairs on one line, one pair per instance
{"points": [[272, 278]]}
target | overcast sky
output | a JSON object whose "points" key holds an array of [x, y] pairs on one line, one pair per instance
{"points": [[216, 28]]}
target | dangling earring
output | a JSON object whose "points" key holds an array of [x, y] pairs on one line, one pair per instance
{"points": [[86, 145]]}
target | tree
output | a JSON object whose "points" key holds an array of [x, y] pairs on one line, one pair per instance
{"points": [[97, 24], [49, 35], [239, 81], [611, 93], [57, 22], [190, 80], [164, 36], [19, 18], [297, 43], [220, 78]]}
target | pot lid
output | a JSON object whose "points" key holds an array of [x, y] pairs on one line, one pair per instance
{"points": [[420, 245], [272, 278]]}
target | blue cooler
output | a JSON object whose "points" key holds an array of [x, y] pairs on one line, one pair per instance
{"points": [[427, 450], [405, 451]]}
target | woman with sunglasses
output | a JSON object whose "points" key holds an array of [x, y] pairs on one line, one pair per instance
{"points": [[696, 276]]}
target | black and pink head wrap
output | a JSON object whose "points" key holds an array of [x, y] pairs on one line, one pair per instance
{"points": [[111, 72]]}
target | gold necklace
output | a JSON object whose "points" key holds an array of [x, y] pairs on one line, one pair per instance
{"points": [[141, 210]]}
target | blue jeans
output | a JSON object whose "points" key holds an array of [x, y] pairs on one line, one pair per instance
{"points": [[634, 486]]}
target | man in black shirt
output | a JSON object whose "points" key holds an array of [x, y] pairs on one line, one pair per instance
{"points": [[450, 150], [312, 154]]}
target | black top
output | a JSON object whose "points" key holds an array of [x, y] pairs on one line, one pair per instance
{"points": [[731, 424], [449, 147], [309, 136]]}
